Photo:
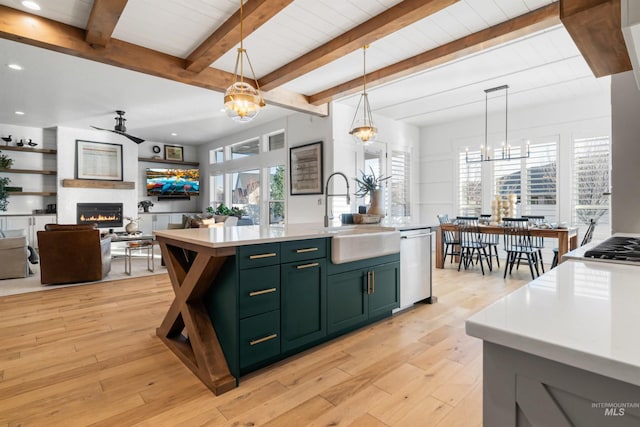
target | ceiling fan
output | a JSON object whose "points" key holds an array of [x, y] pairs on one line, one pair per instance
{"points": [[121, 129]]}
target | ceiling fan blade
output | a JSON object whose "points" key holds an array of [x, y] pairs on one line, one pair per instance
{"points": [[131, 137]]}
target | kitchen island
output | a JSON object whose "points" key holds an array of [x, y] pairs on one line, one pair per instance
{"points": [[246, 297], [563, 350]]}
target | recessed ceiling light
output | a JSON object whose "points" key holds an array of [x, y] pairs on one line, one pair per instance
{"points": [[20, 113], [222, 110], [174, 134], [31, 5], [15, 67]]}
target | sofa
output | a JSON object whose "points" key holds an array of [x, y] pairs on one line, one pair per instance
{"points": [[14, 254], [72, 253]]}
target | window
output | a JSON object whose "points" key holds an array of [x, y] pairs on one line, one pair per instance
{"points": [[469, 184], [246, 193], [591, 160], [400, 183], [244, 149], [276, 142], [217, 155], [276, 195], [217, 190]]}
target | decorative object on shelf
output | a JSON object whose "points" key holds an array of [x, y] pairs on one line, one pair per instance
{"points": [[31, 143], [145, 205], [222, 209], [371, 185], [174, 153], [121, 129], [306, 169], [5, 161], [20, 143], [364, 130], [132, 226], [242, 102], [366, 219], [3, 193], [156, 149], [13, 189], [6, 139], [98, 160], [504, 152]]}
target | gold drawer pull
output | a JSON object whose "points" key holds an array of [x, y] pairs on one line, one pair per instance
{"points": [[272, 254], [262, 292], [301, 251], [259, 340], [313, 264]]}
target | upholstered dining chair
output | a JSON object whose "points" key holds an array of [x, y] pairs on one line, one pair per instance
{"points": [[451, 241], [518, 245]]}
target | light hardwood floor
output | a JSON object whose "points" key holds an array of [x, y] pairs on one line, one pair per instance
{"points": [[88, 355]]}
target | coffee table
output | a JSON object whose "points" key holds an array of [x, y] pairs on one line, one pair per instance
{"points": [[136, 242]]}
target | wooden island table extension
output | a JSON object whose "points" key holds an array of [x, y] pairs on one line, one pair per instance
{"points": [[567, 238], [248, 296]]}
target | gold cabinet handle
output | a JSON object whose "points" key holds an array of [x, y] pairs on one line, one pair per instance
{"points": [[263, 339], [262, 292], [368, 282], [313, 264], [302, 251], [272, 254], [373, 282]]}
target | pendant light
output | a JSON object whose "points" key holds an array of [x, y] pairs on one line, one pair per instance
{"points": [[242, 101], [363, 129]]}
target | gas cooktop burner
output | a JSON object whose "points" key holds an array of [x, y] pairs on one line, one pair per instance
{"points": [[617, 247]]}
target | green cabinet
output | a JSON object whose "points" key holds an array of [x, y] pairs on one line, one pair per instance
{"points": [[355, 297], [303, 303]]}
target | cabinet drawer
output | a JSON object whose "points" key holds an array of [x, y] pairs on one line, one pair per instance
{"points": [[300, 250], [259, 290], [259, 338], [259, 255]]}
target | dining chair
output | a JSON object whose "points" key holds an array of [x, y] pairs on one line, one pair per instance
{"points": [[492, 240], [451, 242], [588, 235], [536, 241], [471, 244], [518, 245]]}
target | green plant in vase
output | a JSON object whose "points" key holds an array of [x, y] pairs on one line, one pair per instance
{"points": [[5, 161], [371, 185], [222, 209], [4, 195]]}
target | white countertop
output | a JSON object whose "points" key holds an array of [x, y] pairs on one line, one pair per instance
{"points": [[583, 314], [220, 237]]}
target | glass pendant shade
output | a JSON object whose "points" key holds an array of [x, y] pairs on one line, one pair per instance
{"points": [[242, 101], [362, 128]]}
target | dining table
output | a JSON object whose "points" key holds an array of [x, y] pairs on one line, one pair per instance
{"points": [[567, 238]]}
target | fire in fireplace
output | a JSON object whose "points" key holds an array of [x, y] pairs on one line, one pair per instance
{"points": [[104, 214]]}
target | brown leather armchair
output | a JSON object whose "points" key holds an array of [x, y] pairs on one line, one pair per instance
{"points": [[73, 254]]}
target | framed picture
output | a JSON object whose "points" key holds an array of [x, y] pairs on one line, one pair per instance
{"points": [[98, 160], [306, 169], [173, 152]]}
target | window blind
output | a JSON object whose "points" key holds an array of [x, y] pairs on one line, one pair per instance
{"points": [[591, 179], [469, 184], [400, 183]]}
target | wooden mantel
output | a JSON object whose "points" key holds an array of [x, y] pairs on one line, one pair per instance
{"points": [[95, 183]]}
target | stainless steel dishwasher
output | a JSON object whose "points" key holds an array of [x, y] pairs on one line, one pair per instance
{"points": [[415, 266]]}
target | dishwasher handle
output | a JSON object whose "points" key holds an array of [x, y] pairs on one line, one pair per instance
{"points": [[416, 236]]}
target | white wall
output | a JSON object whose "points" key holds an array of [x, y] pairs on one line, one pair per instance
{"points": [[625, 175], [580, 117]]}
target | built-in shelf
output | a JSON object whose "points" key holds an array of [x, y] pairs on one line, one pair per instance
{"points": [[94, 183], [171, 162], [30, 150], [31, 171], [31, 193]]}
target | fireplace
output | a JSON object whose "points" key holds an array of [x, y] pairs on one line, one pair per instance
{"points": [[104, 214]]}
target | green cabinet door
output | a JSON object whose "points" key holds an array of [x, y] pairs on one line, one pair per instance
{"points": [[303, 303], [347, 300], [384, 294]]}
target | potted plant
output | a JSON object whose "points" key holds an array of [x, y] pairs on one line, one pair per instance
{"points": [[370, 185], [3, 193], [5, 161], [223, 210], [145, 205]]}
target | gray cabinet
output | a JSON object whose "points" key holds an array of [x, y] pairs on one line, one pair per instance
{"points": [[31, 224]]}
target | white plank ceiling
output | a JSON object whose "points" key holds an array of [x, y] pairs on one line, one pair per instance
{"points": [[56, 89]]}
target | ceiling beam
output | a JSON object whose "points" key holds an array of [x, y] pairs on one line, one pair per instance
{"points": [[103, 20], [539, 19], [381, 25], [596, 28], [255, 13], [34, 30]]}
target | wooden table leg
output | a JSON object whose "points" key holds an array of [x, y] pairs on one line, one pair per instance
{"points": [[191, 276], [563, 244], [439, 248]]}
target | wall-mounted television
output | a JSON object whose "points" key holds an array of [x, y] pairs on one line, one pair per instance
{"points": [[173, 182]]}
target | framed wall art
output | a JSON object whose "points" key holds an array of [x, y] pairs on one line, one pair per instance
{"points": [[173, 152], [98, 160], [306, 169]]}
